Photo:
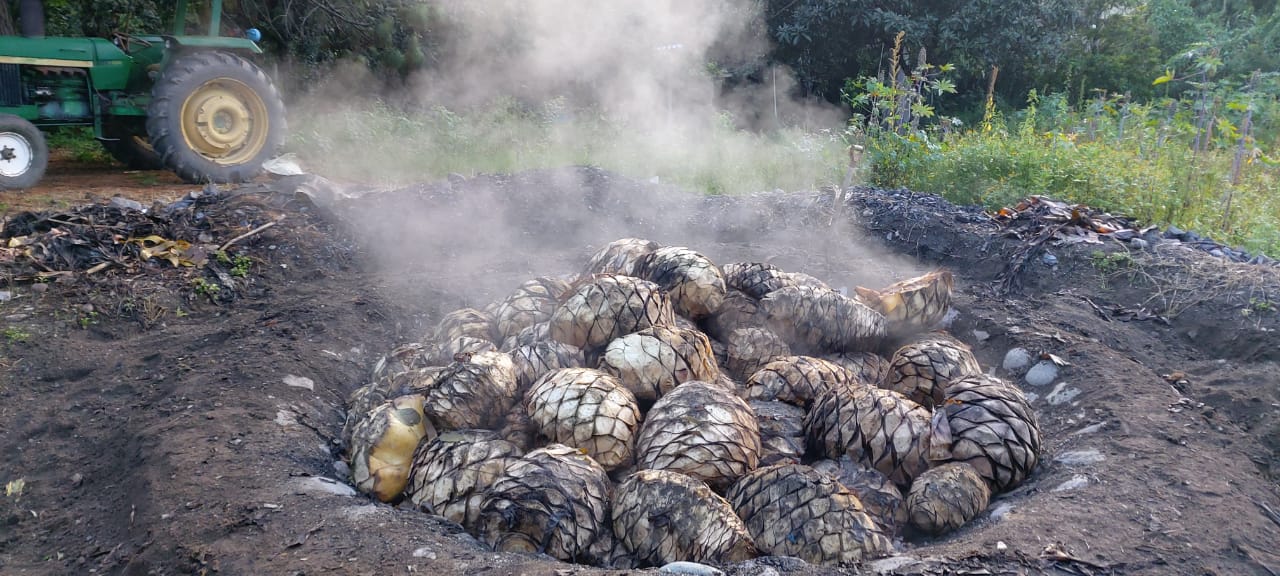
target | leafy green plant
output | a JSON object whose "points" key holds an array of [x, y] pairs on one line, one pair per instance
{"points": [[1110, 263], [79, 144], [239, 265], [206, 288], [14, 335]]}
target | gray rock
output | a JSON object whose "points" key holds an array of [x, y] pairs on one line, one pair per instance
{"points": [[1016, 360], [783, 563], [1062, 394], [1174, 232], [1217, 252], [321, 485], [1049, 259], [690, 568], [893, 564], [127, 204], [1080, 457], [1139, 244], [1077, 481], [1042, 374], [999, 511]]}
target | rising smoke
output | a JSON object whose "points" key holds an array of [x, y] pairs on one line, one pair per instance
{"points": [[642, 65]]}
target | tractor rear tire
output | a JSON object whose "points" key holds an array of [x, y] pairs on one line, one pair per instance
{"points": [[24, 155], [131, 147], [215, 117]]}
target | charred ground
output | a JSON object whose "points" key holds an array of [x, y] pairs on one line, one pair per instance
{"points": [[152, 427]]}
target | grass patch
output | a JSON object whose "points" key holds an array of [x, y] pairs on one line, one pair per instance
{"points": [[78, 143], [376, 142], [1130, 161]]}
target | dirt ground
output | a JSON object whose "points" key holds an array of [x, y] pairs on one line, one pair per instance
{"points": [[146, 426]]}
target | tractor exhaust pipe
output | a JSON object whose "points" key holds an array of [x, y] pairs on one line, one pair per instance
{"points": [[31, 12]]}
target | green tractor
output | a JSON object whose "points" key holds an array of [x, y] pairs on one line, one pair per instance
{"points": [[193, 103]]}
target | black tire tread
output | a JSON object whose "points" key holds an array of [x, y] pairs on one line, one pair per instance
{"points": [[163, 130]]}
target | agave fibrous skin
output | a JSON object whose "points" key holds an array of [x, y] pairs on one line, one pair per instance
{"points": [[532, 302], [946, 497], [390, 377], [465, 322], [586, 409], [750, 349], [553, 500], [694, 282], [781, 432], [531, 334], [880, 498], [872, 368], [820, 321], [702, 430], [661, 516], [736, 311], [619, 257], [913, 305], [794, 510], [608, 307], [797, 380], [880, 428], [534, 360], [460, 346], [652, 361], [382, 446], [922, 369], [402, 359], [993, 429], [451, 472], [756, 279], [476, 392]]}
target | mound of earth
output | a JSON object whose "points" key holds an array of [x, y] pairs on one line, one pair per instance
{"points": [[151, 423]]}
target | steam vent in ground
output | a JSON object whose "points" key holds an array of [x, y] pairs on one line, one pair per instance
{"points": [[679, 378]]}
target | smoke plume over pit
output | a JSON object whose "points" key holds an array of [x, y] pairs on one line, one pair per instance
{"points": [[643, 68]]}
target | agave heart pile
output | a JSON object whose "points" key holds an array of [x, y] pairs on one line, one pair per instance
{"points": [[657, 407]]}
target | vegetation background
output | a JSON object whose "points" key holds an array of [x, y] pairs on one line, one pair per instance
{"points": [[1162, 109]]}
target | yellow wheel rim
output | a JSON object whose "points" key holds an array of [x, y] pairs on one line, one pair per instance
{"points": [[225, 121]]}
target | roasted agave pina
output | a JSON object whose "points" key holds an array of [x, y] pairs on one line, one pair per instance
{"points": [[586, 409], [993, 429], [451, 472], [820, 321], [607, 307], [702, 430], [554, 500], [913, 305], [662, 516], [880, 498], [944, 498], [383, 443], [532, 302], [476, 392], [794, 510], [797, 380], [880, 428], [693, 281], [619, 257], [922, 369], [652, 361]]}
